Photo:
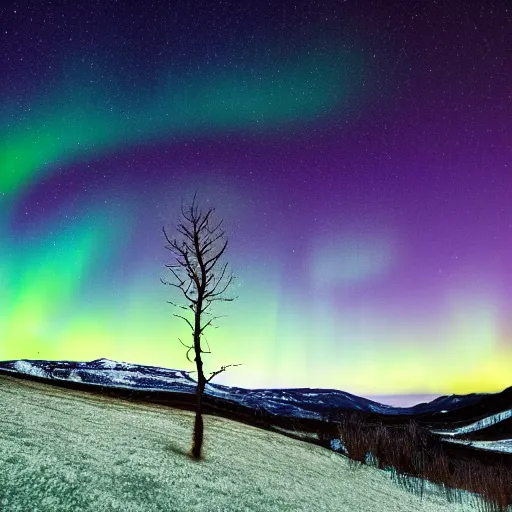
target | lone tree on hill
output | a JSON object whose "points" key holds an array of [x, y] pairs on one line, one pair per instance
{"points": [[197, 252]]}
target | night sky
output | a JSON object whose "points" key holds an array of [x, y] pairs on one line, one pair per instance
{"points": [[358, 152]]}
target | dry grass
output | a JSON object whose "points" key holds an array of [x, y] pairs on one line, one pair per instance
{"points": [[413, 454], [64, 450]]}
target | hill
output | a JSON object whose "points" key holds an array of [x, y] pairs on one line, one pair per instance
{"points": [[65, 450]]}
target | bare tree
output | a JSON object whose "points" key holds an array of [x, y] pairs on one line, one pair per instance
{"points": [[197, 273]]}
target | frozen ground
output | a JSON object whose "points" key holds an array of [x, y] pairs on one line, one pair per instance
{"points": [[63, 450]]}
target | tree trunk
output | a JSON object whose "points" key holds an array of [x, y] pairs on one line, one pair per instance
{"points": [[197, 440]]}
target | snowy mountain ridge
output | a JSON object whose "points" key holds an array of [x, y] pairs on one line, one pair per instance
{"points": [[303, 402], [306, 403]]}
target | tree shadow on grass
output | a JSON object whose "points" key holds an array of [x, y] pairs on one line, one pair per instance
{"points": [[173, 448]]}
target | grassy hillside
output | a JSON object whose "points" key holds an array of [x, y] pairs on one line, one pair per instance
{"points": [[66, 450]]}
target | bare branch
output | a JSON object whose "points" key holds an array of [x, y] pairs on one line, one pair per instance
{"points": [[219, 280], [190, 219], [185, 232], [223, 299], [188, 351], [210, 278], [177, 305], [223, 368], [211, 231], [203, 310], [210, 242], [207, 344], [210, 322], [185, 345], [186, 320], [165, 234], [205, 219], [216, 294], [180, 287], [218, 255], [174, 284]]}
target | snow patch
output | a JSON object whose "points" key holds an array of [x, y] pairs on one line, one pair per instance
{"points": [[337, 446], [28, 368], [73, 375], [502, 445], [477, 425], [106, 363]]}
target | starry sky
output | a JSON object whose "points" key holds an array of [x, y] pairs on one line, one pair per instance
{"points": [[358, 152]]}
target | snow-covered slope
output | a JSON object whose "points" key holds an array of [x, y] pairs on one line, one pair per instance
{"points": [[478, 425]]}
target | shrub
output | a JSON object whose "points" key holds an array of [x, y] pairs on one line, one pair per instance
{"points": [[413, 454]]}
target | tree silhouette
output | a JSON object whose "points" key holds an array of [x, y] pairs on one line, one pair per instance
{"points": [[202, 280]]}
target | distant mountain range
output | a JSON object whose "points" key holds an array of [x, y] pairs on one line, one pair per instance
{"points": [[304, 402], [450, 415]]}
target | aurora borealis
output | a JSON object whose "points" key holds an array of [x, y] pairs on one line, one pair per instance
{"points": [[359, 154]]}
